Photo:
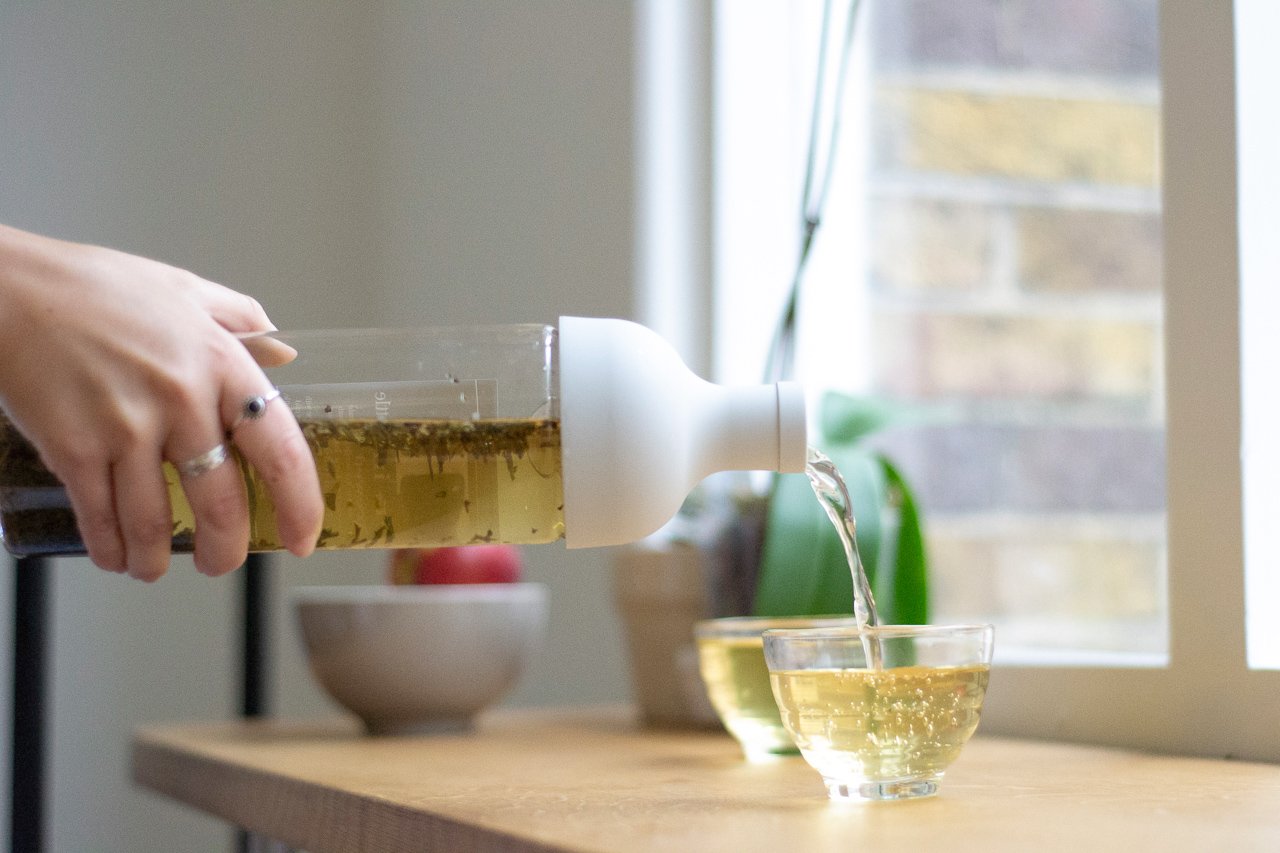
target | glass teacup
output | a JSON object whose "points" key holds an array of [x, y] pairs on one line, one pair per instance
{"points": [[731, 661], [883, 732]]}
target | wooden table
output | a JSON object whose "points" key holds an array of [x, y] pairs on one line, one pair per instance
{"points": [[591, 780]]}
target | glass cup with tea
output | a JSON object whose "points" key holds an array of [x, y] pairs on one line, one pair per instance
{"points": [[731, 662], [880, 712]]}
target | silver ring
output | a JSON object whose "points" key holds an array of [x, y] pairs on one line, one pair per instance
{"points": [[253, 408], [204, 463]]}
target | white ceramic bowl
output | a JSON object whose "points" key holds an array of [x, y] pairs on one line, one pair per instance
{"points": [[419, 659]]}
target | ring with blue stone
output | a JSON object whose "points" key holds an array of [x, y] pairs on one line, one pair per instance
{"points": [[254, 408]]}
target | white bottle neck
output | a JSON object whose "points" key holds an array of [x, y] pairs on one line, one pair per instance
{"points": [[750, 428]]}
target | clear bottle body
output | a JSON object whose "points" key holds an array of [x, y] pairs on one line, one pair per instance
{"points": [[593, 432], [421, 437]]}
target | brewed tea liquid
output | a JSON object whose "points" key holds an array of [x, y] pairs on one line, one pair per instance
{"points": [[895, 723], [737, 681], [386, 484]]}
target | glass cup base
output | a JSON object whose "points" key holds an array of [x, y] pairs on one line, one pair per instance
{"points": [[906, 789]]}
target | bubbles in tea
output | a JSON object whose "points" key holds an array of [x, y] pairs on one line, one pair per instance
{"points": [[882, 725]]}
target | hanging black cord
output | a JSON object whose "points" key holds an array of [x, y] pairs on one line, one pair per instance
{"points": [[781, 361]]}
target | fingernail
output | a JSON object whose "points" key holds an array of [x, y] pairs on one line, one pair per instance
{"points": [[146, 573], [204, 567], [303, 550]]}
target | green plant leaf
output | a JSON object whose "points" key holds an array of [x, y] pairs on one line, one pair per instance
{"points": [[803, 568], [790, 561], [846, 420], [902, 594]]}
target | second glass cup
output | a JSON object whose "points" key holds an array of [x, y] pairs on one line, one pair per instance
{"points": [[731, 661]]}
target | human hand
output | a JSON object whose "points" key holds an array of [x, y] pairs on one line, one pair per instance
{"points": [[112, 364]]}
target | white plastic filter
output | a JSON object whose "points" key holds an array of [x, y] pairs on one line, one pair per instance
{"points": [[639, 430]]}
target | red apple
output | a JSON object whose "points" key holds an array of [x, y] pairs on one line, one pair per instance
{"points": [[461, 564]]}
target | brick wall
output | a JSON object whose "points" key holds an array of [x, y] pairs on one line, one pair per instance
{"points": [[1016, 297]]}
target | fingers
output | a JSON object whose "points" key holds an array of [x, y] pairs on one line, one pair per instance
{"points": [[269, 352], [93, 502], [277, 449], [273, 444], [235, 312], [270, 440], [215, 492], [143, 513]]}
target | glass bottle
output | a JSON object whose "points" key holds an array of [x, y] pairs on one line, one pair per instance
{"points": [[593, 431]]}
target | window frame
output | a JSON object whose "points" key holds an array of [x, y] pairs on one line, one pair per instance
{"points": [[1205, 699]]}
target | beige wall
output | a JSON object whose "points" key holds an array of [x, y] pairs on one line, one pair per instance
{"points": [[350, 164]]}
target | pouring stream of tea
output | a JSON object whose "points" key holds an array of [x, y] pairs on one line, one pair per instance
{"points": [[832, 493]]}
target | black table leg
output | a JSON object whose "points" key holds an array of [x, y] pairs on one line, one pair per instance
{"points": [[30, 684], [30, 700], [254, 634]]}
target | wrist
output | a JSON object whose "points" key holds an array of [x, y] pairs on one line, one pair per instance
{"points": [[27, 288]]}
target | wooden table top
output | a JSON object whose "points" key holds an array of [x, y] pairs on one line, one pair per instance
{"points": [[592, 780]]}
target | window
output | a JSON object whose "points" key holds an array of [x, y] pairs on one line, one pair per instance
{"points": [[1031, 246], [1259, 183]]}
